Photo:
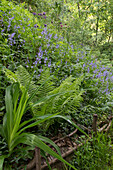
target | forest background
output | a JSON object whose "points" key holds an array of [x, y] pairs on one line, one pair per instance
{"points": [[64, 49]]}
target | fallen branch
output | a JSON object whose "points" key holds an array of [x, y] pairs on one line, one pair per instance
{"points": [[108, 126], [71, 134], [54, 161], [85, 128], [102, 128]]}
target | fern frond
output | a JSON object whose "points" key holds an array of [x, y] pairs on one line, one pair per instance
{"points": [[69, 97], [48, 85], [69, 93], [10, 75]]}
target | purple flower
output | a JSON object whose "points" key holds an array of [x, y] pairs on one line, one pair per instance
{"points": [[34, 13], [49, 64], [55, 36], [12, 35], [48, 45], [72, 46], [45, 51], [88, 70], [9, 26], [44, 13], [105, 73], [11, 18], [45, 25], [50, 35], [15, 27], [18, 27], [84, 65], [57, 46], [44, 17], [46, 59], [36, 26], [40, 14], [3, 30]]}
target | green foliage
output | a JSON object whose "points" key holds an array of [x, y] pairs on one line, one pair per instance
{"points": [[72, 41], [12, 128], [69, 93], [95, 154]]}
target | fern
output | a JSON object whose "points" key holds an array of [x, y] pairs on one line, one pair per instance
{"points": [[48, 85], [69, 97], [69, 93], [23, 77]]}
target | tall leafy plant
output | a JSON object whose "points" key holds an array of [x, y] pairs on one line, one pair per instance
{"points": [[69, 92], [13, 129]]}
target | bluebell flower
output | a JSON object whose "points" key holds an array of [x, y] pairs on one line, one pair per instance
{"points": [[72, 46], [88, 70], [3, 30], [14, 26], [57, 46], [84, 65], [11, 18], [9, 26], [18, 27], [50, 35], [55, 36], [12, 35]]}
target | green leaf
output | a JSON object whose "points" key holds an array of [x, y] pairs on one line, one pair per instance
{"points": [[9, 111], [44, 139], [31, 139], [1, 162], [1, 130]]}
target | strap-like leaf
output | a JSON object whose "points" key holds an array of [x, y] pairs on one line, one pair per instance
{"points": [[1, 130], [31, 139], [1, 162], [9, 110], [44, 139]]}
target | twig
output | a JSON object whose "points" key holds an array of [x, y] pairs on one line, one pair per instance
{"points": [[63, 156], [71, 134], [82, 126], [102, 128], [108, 126]]}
